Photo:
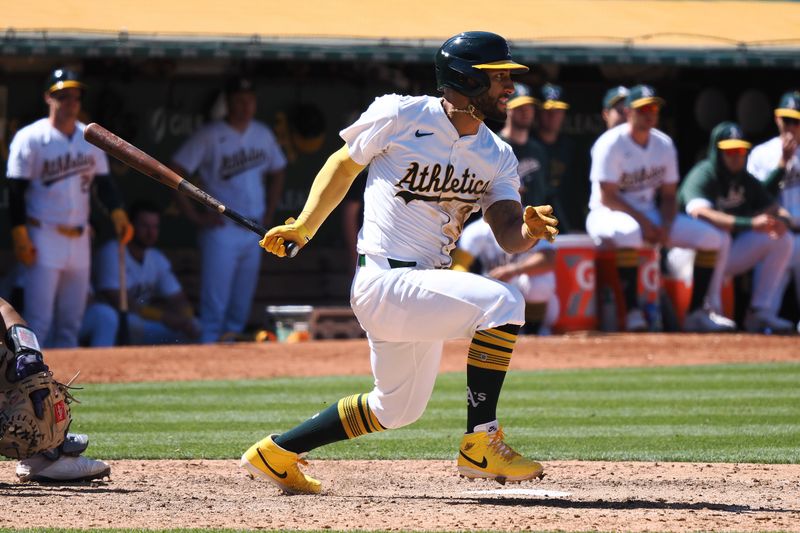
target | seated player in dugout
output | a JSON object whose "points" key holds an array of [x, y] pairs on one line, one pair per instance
{"points": [[634, 178], [160, 312], [34, 412], [776, 163], [720, 191], [432, 162]]}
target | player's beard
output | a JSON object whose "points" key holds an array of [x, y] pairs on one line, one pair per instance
{"points": [[489, 106]]}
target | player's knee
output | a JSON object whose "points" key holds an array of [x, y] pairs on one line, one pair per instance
{"points": [[628, 240], [106, 316], [397, 410], [709, 239], [541, 288]]}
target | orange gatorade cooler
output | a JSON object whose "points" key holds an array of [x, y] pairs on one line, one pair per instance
{"points": [[608, 284], [575, 283]]}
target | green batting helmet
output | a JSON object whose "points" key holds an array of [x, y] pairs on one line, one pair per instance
{"points": [[462, 60]]}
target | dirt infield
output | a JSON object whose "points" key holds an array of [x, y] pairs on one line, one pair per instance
{"points": [[416, 495]]}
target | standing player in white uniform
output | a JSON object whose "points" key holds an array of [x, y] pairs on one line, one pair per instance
{"points": [[532, 272], [777, 164], [631, 163], [160, 312], [51, 169], [233, 157], [432, 162]]}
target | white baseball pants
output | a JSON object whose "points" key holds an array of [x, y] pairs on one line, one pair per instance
{"points": [[407, 314]]}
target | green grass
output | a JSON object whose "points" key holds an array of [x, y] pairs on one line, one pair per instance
{"points": [[730, 413]]}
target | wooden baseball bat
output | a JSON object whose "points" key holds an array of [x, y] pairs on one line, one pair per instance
{"points": [[149, 166], [123, 334]]}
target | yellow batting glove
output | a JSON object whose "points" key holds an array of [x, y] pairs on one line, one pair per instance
{"points": [[539, 223], [274, 240]]}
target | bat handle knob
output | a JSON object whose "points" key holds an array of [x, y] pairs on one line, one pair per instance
{"points": [[291, 249]]}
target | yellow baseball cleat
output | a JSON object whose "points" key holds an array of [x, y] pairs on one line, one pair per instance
{"points": [[266, 460], [485, 455]]}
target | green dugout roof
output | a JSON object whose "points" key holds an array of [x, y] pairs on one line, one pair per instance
{"points": [[664, 32]]}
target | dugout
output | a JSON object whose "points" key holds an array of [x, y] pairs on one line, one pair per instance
{"points": [[155, 70]]}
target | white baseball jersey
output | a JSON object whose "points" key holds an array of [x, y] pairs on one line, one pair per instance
{"points": [[151, 278], [60, 169], [639, 171], [232, 164], [764, 159], [479, 241], [424, 179]]}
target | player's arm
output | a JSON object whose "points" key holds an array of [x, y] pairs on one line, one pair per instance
{"points": [[611, 197], [8, 317], [532, 264], [329, 188], [668, 205], [515, 229], [275, 181], [22, 342], [201, 217], [24, 250], [110, 197]]}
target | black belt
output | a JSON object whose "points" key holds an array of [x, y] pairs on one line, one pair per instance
{"points": [[393, 263]]}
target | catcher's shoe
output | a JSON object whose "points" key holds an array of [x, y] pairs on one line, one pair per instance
{"points": [[66, 468], [485, 455], [266, 460]]}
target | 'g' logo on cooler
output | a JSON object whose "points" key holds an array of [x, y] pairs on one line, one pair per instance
{"points": [[650, 276], [584, 275]]}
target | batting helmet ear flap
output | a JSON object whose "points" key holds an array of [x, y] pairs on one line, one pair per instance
{"points": [[470, 81]]}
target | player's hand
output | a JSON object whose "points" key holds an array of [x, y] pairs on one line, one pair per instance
{"points": [[788, 147], [539, 223], [774, 227], [652, 233], [24, 250], [122, 226], [274, 240]]}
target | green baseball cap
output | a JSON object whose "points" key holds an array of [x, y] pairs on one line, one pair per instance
{"points": [[522, 95], [642, 95], [789, 105], [552, 97], [62, 78], [614, 96], [731, 137]]}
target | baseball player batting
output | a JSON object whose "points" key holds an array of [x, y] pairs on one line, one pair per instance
{"points": [[432, 162]]}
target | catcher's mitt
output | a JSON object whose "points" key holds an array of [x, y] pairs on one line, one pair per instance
{"points": [[34, 412]]}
